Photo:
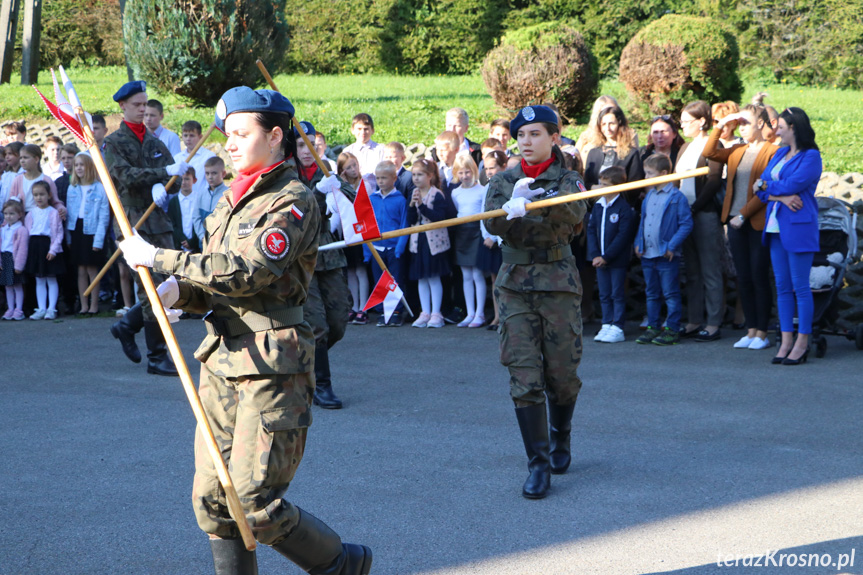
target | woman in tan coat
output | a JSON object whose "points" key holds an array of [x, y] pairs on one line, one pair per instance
{"points": [[744, 214]]}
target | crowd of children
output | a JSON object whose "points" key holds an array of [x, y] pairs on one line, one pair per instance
{"points": [[55, 227], [56, 219]]}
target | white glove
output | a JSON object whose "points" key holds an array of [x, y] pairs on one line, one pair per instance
{"points": [[522, 189], [138, 252], [177, 169], [515, 208], [329, 184], [160, 195], [169, 292]]}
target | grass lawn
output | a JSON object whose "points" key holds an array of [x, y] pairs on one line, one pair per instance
{"points": [[411, 109]]}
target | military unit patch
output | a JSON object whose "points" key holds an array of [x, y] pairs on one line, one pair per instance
{"points": [[274, 243]]}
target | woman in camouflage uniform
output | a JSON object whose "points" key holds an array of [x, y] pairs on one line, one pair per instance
{"points": [[256, 380], [539, 293]]}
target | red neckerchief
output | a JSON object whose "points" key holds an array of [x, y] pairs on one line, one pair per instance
{"points": [[244, 181], [309, 172], [137, 129], [535, 171]]}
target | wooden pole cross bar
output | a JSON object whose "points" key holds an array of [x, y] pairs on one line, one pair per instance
{"points": [[235, 508], [534, 205], [116, 255]]}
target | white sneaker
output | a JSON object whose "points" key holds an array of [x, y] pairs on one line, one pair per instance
{"points": [[744, 342], [758, 343], [38, 314], [602, 332], [615, 335], [51, 314]]}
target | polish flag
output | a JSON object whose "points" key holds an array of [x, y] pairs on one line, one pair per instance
{"points": [[386, 291], [64, 111], [358, 219]]}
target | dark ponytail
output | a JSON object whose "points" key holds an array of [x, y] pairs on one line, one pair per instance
{"points": [[270, 120]]}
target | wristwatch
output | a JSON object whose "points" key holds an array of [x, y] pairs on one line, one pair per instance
{"points": [[760, 184]]}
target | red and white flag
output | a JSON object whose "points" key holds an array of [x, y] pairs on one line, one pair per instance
{"points": [[64, 110], [358, 218], [388, 292]]}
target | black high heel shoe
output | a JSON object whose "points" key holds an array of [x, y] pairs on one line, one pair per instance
{"points": [[778, 360], [798, 361]]}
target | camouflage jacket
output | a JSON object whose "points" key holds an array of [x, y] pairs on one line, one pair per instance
{"points": [[330, 259], [135, 167], [538, 230], [258, 259]]}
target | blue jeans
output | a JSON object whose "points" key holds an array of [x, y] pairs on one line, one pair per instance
{"points": [[610, 282], [394, 266], [661, 282], [792, 281]]}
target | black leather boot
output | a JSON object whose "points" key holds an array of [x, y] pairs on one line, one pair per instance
{"points": [[533, 423], [125, 331], [560, 426], [318, 550], [230, 557], [325, 397], [158, 359]]}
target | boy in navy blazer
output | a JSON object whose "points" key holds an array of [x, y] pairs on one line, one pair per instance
{"points": [[610, 233]]}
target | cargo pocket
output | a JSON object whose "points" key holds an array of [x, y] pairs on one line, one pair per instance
{"points": [[280, 445]]}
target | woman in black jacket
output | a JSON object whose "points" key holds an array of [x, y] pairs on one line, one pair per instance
{"points": [[613, 139], [702, 249]]}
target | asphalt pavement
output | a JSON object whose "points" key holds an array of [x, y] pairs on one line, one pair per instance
{"points": [[685, 458]]}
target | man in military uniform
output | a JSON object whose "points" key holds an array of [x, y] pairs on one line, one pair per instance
{"points": [[329, 301], [539, 293], [140, 165], [256, 382]]}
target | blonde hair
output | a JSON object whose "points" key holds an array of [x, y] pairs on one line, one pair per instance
{"points": [[464, 161], [461, 113], [342, 161], [450, 138], [396, 147], [89, 171], [386, 167]]}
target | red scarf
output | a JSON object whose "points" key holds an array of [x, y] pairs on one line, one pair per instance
{"points": [[309, 172], [245, 180], [138, 129], [535, 171]]}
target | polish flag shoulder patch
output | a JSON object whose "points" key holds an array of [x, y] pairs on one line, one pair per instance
{"points": [[297, 213], [275, 243]]}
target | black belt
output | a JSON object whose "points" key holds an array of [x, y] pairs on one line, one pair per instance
{"points": [[253, 322], [526, 257]]}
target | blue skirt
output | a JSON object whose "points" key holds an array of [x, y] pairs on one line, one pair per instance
{"points": [[424, 264], [489, 260]]}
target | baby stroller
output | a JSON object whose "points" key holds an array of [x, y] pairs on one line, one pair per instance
{"points": [[837, 232]]}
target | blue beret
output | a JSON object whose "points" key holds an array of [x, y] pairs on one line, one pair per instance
{"points": [[307, 127], [130, 89], [531, 115], [244, 99]]}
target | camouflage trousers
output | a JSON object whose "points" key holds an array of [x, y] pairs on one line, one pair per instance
{"points": [[260, 424], [160, 241], [540, 345], [328, 306]]}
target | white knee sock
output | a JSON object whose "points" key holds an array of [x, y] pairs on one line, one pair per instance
{"points": [[363, 285], [19, 296], [436, 293], [42, 293], [467, 286], [53, 293], [425, 295], [10, 297], [479, 282]]}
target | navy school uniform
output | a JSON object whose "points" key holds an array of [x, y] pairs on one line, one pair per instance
{"points": [[405, 183], [610, 233]]}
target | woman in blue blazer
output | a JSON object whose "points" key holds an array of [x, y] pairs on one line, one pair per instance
{"points": [[791, 232]]}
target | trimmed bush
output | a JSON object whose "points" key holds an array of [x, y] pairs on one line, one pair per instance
{"points": [[677, 59], [198, 49], [542, 63]]}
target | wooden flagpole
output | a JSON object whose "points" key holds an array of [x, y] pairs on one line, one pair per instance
{"points": [[638, 184], [116, 255], [324, 169], [234, 506]]}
